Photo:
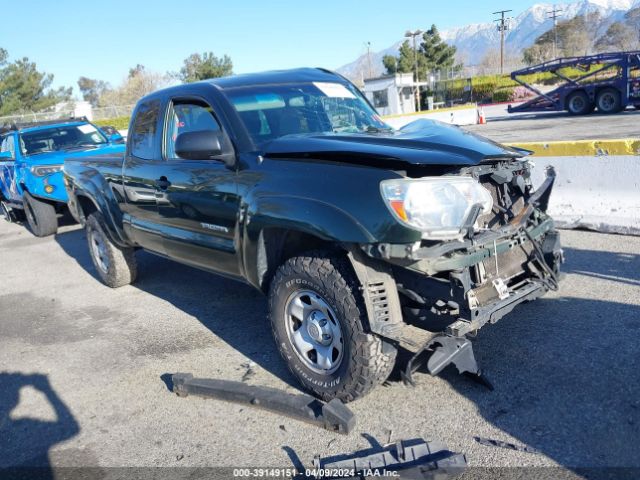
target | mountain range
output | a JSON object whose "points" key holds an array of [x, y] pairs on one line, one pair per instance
{"points": [[473, 41]]}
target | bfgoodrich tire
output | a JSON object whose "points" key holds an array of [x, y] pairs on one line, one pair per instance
{"points": [[318, 320], [41, 216], [116, 266]]}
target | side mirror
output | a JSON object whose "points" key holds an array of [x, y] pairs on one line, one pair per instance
{"points": [[199, 145], [112, 134], [115, 138], [6, 157]]}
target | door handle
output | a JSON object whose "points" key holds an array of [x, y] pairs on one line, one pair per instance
{"points": [[162, 183]]}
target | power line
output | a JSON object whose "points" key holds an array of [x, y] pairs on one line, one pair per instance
{"points": [[503, 26], [555, 13]]}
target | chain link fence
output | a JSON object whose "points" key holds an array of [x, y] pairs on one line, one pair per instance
{"points": [[99, 113], [36, 117], [103, 113]]}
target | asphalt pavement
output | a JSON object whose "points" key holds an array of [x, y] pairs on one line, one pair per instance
{"points": [[83, 370], [556, 126]]}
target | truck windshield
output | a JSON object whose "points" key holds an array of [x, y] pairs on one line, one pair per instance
{"points": [[272, 111], [61, 138]]}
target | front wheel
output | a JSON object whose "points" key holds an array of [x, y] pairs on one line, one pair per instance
{"points": [[579, 103], [116, 266], [41, 216], [318, 320]]}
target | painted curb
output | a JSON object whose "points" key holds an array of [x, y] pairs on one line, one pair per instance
{"points": [[583, 148]]}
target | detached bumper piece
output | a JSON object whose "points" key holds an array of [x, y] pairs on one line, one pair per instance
{"points": [[407, 459], [333, 416]]}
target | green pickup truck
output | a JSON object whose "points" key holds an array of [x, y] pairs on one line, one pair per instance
{"points": [[365, 239]]}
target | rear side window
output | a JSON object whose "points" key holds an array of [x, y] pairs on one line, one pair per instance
{"points": [[143, 139]]}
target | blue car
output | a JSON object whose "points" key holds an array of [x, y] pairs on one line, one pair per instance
{"points": [[31, 162]]}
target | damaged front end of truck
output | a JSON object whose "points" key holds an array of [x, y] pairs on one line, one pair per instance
{"points": [[431, 296]]}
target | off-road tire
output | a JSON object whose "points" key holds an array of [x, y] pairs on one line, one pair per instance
{"points": [[615, 106], [367, 360], [41, 216], [121, 266], [578, 103]]}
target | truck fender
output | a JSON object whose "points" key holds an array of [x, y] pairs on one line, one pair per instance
{"points": [[290, 213], [96, 189]]}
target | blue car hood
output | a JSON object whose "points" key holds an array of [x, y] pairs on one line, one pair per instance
{"points": [[423, 142], [58, 158]]}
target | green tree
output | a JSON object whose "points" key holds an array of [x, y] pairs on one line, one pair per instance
{"points": [[405, 61], [438, 54], [200, 67], [92, 89], [432, 54], [25, 89]]}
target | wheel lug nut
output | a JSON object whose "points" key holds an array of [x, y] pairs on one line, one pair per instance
{"points": [[326, 336], [323, 323]]}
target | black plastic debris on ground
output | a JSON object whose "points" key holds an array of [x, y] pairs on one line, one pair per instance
{"points": [[333, 416], [488, 442], [406, 459]]}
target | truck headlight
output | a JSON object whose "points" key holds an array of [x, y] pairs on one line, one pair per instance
{"points": [[439, 207], [44, 170]]}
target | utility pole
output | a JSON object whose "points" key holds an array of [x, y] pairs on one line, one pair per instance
{"points": [[503, 26], [369, 58], [414, 34], [555, 13]]}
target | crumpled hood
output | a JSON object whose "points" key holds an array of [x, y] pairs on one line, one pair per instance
{"points": [[423, 142], [58, 158]]}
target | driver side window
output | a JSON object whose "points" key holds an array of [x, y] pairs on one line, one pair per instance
{"points": [[188, 116]]}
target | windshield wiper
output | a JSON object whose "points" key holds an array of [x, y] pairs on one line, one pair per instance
{"points": [[79, 147], [373, 129]]}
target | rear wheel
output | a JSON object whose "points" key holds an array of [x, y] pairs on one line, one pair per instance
{"points": [[41, 216], [116, 266], [578, 103], [609, 101], [318, 320]]}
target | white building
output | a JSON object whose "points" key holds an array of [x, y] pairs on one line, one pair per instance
{"points": [[391, 94]]}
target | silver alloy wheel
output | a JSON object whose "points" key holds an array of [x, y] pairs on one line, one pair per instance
{"points": [[98, 250], [314, 331]]}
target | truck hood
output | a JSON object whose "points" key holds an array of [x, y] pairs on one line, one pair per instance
{"points": [[423, 142], [58, 158]]}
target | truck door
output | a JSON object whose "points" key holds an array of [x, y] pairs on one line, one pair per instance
{"points": [[7, 169], [197, 199], [143, 161]]}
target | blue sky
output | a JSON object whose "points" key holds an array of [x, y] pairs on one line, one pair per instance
{"points": [[70, 38]]}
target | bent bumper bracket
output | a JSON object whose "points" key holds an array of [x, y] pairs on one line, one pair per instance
{"points": [[441, 351]]}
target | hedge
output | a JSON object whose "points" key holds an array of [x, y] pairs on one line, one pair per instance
{"points": [[120, 123]]}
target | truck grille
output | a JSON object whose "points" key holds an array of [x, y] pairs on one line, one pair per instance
{"points": [[508, 201]]}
